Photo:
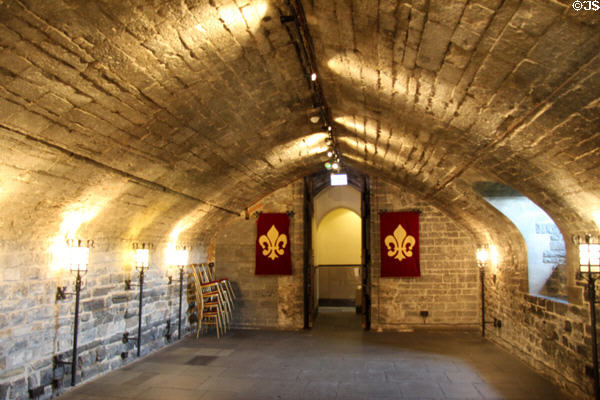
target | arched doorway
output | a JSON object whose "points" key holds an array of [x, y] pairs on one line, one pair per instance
{"points": [[339, 252], [337, 247]]}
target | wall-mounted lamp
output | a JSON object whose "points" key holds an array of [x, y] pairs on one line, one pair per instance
{"points": [[482, 259], [78, 255], [142, 263], [181, 260], [142, 257], [589, 269]]}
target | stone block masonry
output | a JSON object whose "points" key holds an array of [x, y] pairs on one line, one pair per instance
{"points": [[34, 327], [265, 301], [550, 335], [449, 284]]}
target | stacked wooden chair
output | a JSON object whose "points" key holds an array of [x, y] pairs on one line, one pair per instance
{"points": [[208, 275], [213, 300], [208, 304]]}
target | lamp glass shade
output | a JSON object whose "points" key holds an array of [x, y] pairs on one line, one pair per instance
{"points": [[142, 258], [181, 257], [589, 257], [482, 256], [79, 258]]}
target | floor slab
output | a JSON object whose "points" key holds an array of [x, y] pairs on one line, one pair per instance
{"points": [[334, 360]]}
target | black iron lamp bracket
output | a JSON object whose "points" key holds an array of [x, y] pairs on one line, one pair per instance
{"points": [[61, 293], [126, 338], [129, 285], [290, 213], [385, 210], [57, 361], [168, 332]]}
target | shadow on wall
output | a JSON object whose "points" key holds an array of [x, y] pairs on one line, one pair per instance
{"points": [[546, 253]]}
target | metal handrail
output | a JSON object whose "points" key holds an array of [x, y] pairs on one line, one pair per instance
{"points": [[337, 265]]}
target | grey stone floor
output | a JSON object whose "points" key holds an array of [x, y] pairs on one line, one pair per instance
{"points": [[335, 360]]}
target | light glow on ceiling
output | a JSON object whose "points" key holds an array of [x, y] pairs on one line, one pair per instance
{"points": [[185, 223], [77, 214], [596, 218], [351, 67], [242, 18]]}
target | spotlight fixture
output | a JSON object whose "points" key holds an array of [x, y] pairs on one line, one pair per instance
{"points": [[335, 165], [287, 18], [313, 76], [330, 153], [328, 165], [315, 119], [329, 128]]}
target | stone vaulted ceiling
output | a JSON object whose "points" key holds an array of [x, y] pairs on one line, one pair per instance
{"points": [[157, 115]]}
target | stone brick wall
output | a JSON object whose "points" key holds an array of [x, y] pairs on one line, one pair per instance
{"points": [[550, 335], [34, 327], [265, 301], [448, 286]]}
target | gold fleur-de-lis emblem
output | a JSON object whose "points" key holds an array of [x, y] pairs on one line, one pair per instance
{"points": [[400, 245], [273, 243]]}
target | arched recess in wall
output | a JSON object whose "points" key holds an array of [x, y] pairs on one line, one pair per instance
{"points": [[546, 252]]}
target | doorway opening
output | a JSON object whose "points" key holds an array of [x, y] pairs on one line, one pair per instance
{"points": [[337, 249], [339, 281]]}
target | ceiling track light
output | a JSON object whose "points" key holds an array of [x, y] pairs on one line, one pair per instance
{"points": [[287, 18], [306, 55]]}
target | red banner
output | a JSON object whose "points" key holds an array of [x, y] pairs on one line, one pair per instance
{"points": [[273, 245], [399, 235]]}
